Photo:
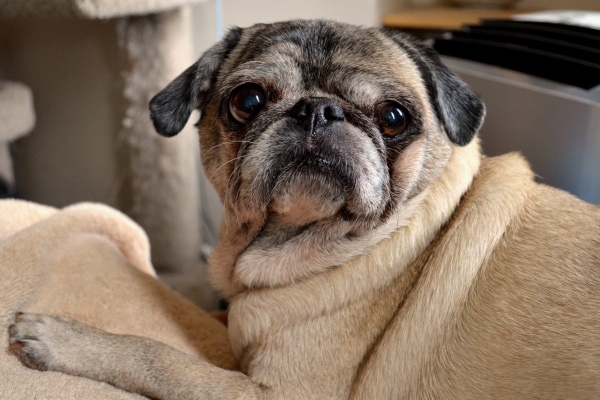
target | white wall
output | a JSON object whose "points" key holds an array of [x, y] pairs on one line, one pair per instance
{"points": [[247, 12]]}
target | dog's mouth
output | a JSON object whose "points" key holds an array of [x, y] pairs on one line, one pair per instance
{"points": [[310, 187]]}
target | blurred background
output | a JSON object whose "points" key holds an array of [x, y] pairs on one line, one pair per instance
{"points": [[75, 80]]}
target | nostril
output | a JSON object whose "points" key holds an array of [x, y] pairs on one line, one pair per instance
{"points": [[333, 112]]}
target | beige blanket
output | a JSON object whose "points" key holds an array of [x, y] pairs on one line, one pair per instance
{"points": [[91, 263]]}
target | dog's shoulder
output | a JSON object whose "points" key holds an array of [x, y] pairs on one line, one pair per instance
{"points": [[513, 279]]}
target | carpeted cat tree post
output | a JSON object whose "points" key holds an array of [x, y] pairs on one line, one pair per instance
{"points": [[164, 173]]}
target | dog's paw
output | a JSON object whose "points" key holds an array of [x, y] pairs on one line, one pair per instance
{"points": [[37, 340]]}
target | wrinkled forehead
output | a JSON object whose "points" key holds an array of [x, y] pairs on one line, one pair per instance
{"points": [[313, 57]]}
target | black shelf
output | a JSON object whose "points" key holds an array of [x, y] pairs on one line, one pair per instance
{"points": [[563, 53]]}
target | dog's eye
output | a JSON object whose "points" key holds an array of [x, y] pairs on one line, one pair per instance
{"points": [[246, 101], [391, 118]]}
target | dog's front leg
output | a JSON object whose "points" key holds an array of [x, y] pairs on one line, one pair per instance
{"points": [[133, 363]]}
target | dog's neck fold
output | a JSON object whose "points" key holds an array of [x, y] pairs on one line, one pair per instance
{"points": [[243, 261]]}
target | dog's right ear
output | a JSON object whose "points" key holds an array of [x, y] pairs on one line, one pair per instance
{"points": [[171, 108]]}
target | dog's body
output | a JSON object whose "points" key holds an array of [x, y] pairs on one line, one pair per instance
{"points": [[368, 250]]}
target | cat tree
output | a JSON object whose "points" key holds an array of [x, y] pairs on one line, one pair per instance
{"points": [[156, 36]]}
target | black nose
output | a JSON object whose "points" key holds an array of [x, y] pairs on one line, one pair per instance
{"points": [[314, 113]]}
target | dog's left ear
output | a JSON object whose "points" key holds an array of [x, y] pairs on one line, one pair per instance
{"points": [[457, 107], [171, 108]]}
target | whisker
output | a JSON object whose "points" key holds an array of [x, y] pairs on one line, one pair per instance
{"points": [[222, 165], [227, 142], [228, 194], [228, 187]]}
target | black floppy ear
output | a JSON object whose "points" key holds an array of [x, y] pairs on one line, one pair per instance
{"points": [[457, 107], [171, 108]]}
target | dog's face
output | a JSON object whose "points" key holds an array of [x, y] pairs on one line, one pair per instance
{"points": [[316, 122]]}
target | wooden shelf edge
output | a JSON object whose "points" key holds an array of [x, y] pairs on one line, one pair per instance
{"points": [[444, 18]]}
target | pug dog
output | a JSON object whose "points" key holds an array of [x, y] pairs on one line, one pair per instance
{"points": [[368, 249]]}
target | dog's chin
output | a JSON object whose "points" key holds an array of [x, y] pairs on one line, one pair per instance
{"points": [[304, 197]]}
